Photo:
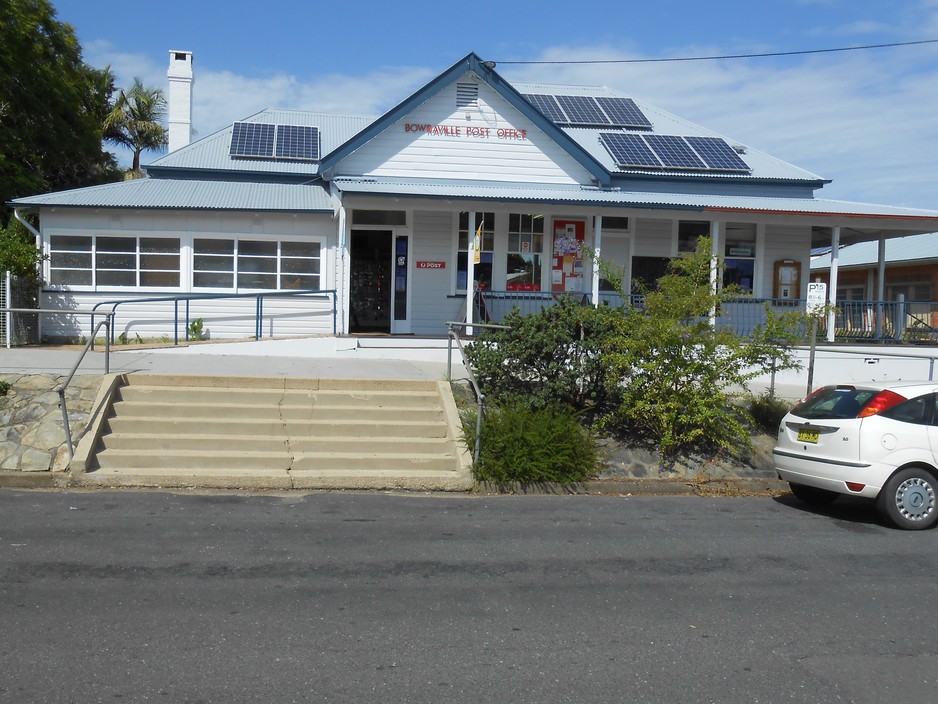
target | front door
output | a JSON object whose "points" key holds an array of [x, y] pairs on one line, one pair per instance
{"points": [[370, 281]]}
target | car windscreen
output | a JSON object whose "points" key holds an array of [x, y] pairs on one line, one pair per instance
{"points": [[833, 402]]}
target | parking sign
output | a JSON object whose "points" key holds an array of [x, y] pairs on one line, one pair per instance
{"points": [[817, 298]]}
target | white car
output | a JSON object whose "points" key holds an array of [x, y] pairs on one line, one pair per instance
{"points": [[875, 441]]}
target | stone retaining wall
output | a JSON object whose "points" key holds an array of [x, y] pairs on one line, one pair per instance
{"points": [[32, 435]]}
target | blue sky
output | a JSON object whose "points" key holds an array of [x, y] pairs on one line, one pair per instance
{"points": [[866, 119]]}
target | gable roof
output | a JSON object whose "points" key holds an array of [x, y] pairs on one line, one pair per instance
{"points": [[471, 63]]}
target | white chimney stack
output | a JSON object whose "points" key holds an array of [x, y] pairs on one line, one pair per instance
{"points": [[180, 99]]}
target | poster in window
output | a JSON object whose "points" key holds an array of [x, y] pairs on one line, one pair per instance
{"points": [[568, 255]]}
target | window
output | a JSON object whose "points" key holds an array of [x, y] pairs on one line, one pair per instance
{"points": [[688, 232], [379, 217], [615, 223], [525, 252], [114, 261], [646, 271], [483, 270], [255, 264], [739, 256]]}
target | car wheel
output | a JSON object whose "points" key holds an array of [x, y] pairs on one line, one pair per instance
{"points": [[909, 500], [811, 495]]}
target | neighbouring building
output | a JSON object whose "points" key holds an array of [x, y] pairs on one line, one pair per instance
{"points": [[384, 211]]}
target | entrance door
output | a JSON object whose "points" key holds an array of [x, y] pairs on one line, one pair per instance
{"points": [[370, 281]]}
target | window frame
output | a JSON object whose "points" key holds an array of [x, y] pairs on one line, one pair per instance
{"points": [[98, 253]]}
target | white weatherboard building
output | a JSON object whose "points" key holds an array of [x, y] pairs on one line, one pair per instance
{"points": [[383, 210]]}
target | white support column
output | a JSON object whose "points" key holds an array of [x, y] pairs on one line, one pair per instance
{"points": [[343, 282], [880, 286], [470, 271], [832, 287], [597, 252], [715, 248]]}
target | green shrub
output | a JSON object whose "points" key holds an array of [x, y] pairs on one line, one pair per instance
{"points": [[521, 444], [767, 412], [675, 369], [5, 387], [551, 357], [195, 329]]}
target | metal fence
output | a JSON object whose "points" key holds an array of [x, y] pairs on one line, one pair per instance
{"points": [[18, 327], [907, 322]]}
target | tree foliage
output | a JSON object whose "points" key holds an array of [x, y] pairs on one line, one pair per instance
{"points": [[663, 373], [18, 252], [550, 358], [135, 121], [676, 368], [51, 106]]}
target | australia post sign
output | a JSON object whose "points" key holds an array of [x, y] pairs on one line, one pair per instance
{"points": [[431, 265]]}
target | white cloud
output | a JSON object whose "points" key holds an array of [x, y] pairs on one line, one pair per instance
{"points": [[864, 119]]}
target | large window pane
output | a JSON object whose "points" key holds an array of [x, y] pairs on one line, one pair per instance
{"points": [[115, 261], [204, 246], [107, 277], [69, 260], [254, 280], [201, 279], [159, 278], [70, 277], [256, 248], [117, 244]]}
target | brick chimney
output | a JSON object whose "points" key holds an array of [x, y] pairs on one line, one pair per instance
{"points": [[180, 99]]}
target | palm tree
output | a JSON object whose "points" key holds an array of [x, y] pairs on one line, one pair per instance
{"points": [[135, 121]]}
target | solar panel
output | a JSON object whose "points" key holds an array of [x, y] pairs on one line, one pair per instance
{"points": [[252, 139], [548, 107], [582, 110], [674, 152], [717, 154], [629, 149], [297, 142], [623, 112]]}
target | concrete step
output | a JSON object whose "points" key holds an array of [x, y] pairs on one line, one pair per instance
{"points": [[372, 444], [278, 433], [194, 410], [295, 429], [156, 442], [355, 398], [195, 459], [355, 461]]}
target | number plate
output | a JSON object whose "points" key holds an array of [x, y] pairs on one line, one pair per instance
{"points": [[808, 436]]}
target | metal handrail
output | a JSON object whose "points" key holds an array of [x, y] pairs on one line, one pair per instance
{"points": [[107, 370], [258, 311], [453, 334]]}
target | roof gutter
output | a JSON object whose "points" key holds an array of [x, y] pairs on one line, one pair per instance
{"points": [[25, 223]]}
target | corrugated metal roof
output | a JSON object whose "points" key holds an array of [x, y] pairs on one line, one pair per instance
{"points": [[595, 196], [211, 152], [186, 194], [914, 248]]}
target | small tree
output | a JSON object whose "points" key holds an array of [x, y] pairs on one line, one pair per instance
{"points": [[676, 369], [134, 121]]}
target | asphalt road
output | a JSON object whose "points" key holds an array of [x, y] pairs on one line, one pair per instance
{"points": [[156, 597]]}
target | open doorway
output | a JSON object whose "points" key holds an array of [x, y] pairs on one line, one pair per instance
{"points": [[370, 281]]}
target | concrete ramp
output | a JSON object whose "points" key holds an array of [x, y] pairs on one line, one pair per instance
{"points": [[275, 433]]}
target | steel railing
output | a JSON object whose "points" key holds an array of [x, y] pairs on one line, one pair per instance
{"points": [[107, 370], [188, 298], [453, 329]]}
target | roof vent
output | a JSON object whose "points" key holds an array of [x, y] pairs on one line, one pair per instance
{"points": [[467, 95]]}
